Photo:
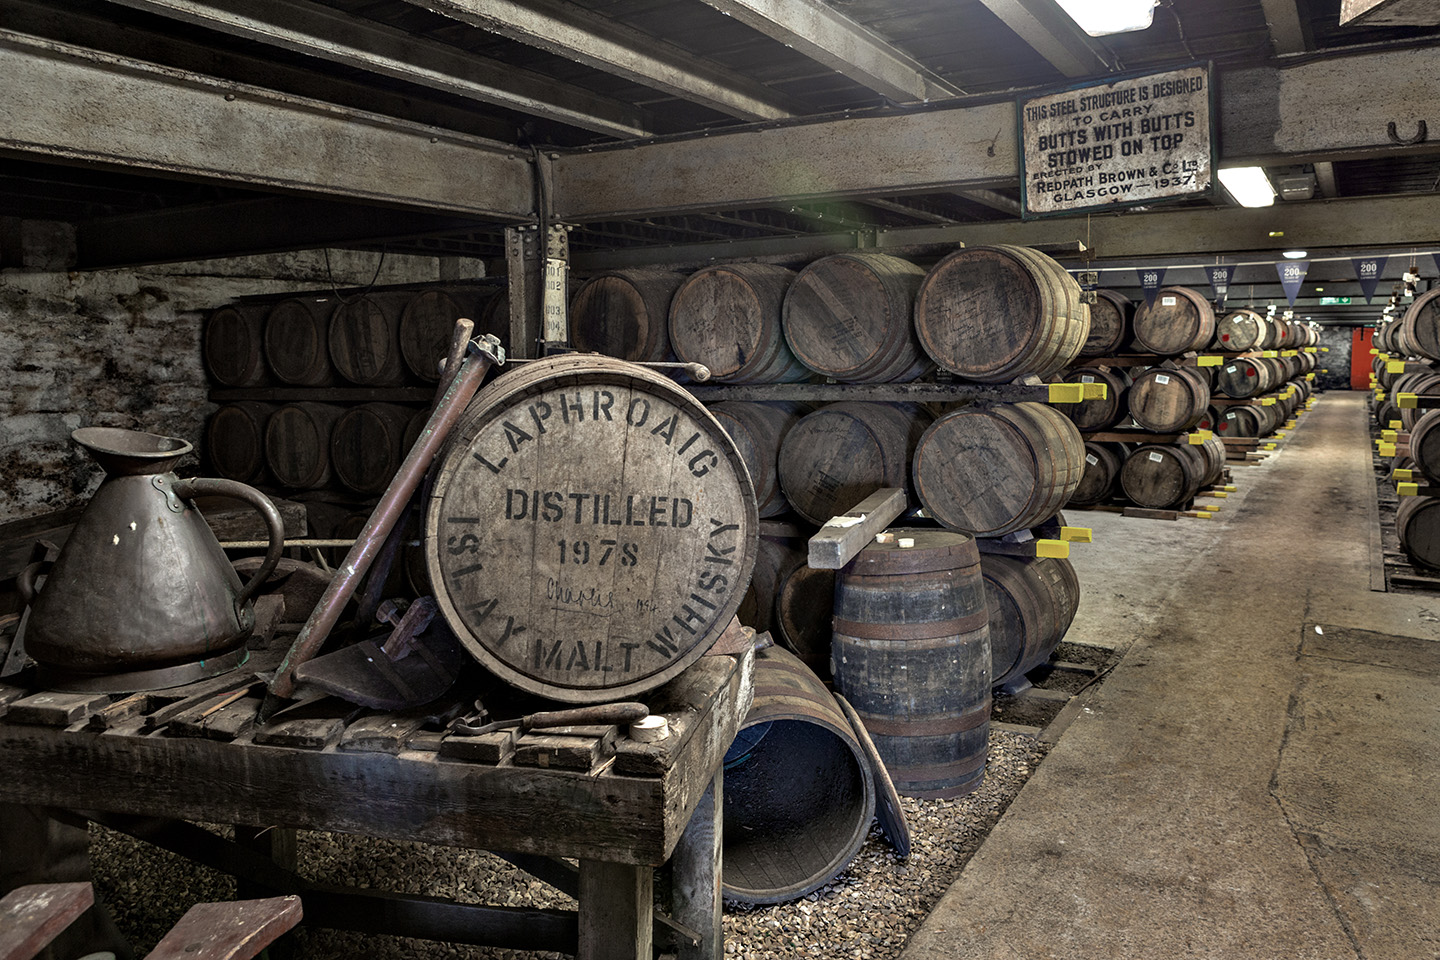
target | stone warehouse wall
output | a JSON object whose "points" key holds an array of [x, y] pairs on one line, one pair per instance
{"points": [[121, 348], [1337, 361]]}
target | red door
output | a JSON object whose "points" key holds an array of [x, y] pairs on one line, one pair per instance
{"points": [[1360, 358]]}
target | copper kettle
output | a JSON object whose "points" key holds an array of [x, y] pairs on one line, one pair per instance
{"points": [[141, 596]]}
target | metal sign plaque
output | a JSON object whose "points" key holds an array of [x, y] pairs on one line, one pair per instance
{"points": [[1119, 143]]}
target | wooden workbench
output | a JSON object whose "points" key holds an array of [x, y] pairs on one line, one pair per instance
{"points": [[151, 763]]}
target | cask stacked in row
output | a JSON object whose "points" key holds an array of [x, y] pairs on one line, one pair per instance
{"points": [[840, 454], [625, 314], [1100, 412], [758, 430], [728, 317], [1178, 321], [1166, 400], [1101, 479], [993, 469], [1165, 476], [1110, 324], [992, 314], [1031, 602]]}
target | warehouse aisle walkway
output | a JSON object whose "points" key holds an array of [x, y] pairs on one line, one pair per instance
{"points": [[1243, 785]]}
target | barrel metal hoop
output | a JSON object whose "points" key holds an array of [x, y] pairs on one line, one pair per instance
{"points": [[928, 630], [976, 716], [915, 775]]}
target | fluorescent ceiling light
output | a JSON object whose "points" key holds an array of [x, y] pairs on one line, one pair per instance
{"points": [[1101, 18], [1294, 254], [1248, 185]]}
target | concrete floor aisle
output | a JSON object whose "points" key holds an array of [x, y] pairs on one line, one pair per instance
{"points": [[1242, 785]]}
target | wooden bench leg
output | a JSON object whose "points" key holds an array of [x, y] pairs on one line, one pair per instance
{"points": [[696, 875], [33, 915], [236, 930], [617, 911]]}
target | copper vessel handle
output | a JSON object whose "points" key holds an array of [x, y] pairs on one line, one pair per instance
{"points": [[214, 486]]}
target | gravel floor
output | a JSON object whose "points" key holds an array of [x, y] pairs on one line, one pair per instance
{"points": [[866, 912]]}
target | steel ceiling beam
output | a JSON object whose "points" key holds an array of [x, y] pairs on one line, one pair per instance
{"points": [[1389, 13], [1287, 32], [570, 31], [1358, 224], [1051, 33], [992, 199], [67, 103], [1335, 108], [828, 37], [242, 228], [330, 35]]}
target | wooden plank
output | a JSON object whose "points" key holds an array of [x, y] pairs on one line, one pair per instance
{"points": [[695, 870], [309, 726], [35, 914], [127, 708], [56, 709], [846, 535], [1131, 436], [224, 720], [1145, 513], [565, 753], [492, 747], [616, 911], [683, 702], [9, 693], [383, 732], [237, 930]]}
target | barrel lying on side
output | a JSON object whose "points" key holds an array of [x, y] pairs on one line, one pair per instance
{"points": [[1425, 445], [1110, 317], [775, 560], [1162, 476], [1098, 413], [996, 313], [1167, 401], [1031, 602], [848, 316], [840, 454], [1179, 320], [1417, 522], [799, 794], [992, 469], [1239, 330], [1101, 479], [234, 346], [367, 445], [912, 654], [625, 314], [758, 430], [803, 612], [297, 444], [297, 342], [728, 317], [364, 340], [235, 440]]}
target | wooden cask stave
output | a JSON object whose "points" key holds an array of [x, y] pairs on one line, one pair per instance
{"points": [[775, 560], [993, 469], [365, 341], [799, 793], [1101, 479], [1178, 321], [1110, 317], [995, 313], [1031, 603], [1239, 330], [297, 342], [840, 454], [1100, 413], [1162, 476], [728, 317], [297, 444], [758, 430], [1166, 400], [803, 613], [235, 441], [367, 445], [234, 346], [912, 655], [1417, 522], [613, 520], [625, 314], [849, 317]]}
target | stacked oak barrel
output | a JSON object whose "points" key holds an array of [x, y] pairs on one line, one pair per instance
{"points": [[1406, 361], [989, 315], [323, 394], [1144, 357]]}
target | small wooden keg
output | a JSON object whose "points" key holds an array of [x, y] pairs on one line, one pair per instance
{"points": [[1239, 330], [1166, 400], [1162, 476]]}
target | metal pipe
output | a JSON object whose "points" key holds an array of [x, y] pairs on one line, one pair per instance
{"points": [[481, 357]]}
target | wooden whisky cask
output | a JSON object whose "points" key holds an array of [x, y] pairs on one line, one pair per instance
{"points": [[996, 313], [803, 612], [799, 794], [235, 440], [1162, 476], [367, 446], [1239, 330], [1180, 320], [1110, 317], [591, 529], [1101, 479], [1212, 452], [1425, 445], [1031, 602], [728, 317], [1417, 522], [758, 429], [234, 346], [912, 655], [427, 322], [989, 470], [1421, 325], [1098, 414], [848, 317], [365, 341], [625, 314], [1245, 377], [775, 559], [1163, 400], [840, 454], [297, 444], [297, 341]]}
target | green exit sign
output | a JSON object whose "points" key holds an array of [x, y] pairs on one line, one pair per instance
{"points": [[1334, 301]]}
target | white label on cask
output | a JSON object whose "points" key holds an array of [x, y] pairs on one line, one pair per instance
{"points": [[1086, 378], [1169, 301], [1156, 457], [1091, 459], [1162, 379], [1230, 369]]}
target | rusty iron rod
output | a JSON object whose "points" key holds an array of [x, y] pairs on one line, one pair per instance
{"points": [[407, 479]]}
